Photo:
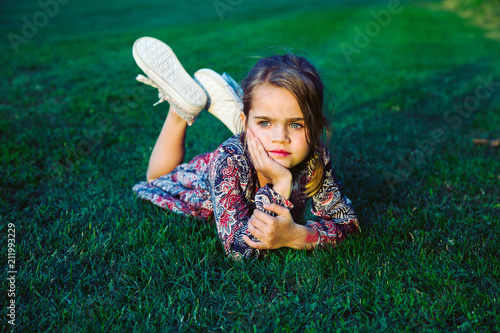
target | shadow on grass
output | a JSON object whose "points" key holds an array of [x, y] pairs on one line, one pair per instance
{"points": [[386, 159]]}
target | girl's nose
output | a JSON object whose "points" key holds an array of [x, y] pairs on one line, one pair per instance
{"points": [[280, 135]]}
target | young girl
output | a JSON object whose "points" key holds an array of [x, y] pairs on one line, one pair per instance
{"points": [[257, 183]]}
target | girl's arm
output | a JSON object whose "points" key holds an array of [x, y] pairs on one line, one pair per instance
{"points": [[336, 215], [273, 225], [229, 178]]}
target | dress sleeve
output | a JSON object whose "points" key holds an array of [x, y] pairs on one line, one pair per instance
{"points": [[229, 179], [335, 212]]}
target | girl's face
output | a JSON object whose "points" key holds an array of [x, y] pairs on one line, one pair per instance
{"points": [[277, 120]]}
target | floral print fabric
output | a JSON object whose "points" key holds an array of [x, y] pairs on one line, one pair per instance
{"points": [[223, 185]]}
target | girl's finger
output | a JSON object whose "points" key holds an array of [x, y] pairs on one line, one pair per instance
{"points": [[255, 245], [264, 155], [258, 148], [254, 231], [253, 149], [250, 144], [262, 218], [253, 154], [258, 224], [278, 209]]}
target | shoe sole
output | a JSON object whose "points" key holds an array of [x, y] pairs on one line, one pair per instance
{"points": [[161, 65], [224, 104]]}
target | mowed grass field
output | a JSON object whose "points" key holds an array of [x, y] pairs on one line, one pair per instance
{"points": [[412, 86]]}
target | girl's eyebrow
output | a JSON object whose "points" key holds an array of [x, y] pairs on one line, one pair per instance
{"points": [[269, 118]]}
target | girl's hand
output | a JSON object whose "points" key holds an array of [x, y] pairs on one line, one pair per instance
{"points": [[273, 232], [266, 166]]}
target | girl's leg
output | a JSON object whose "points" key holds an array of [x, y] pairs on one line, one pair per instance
{"points": [[169, 149], [185, 96]]}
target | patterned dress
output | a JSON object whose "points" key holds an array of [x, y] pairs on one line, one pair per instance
{"points": [[222, 185]]}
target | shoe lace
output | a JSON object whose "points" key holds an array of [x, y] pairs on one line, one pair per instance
{"points": [[149, 82], [163, 97]]}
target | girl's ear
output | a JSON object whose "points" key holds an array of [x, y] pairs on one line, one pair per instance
{"points": [[243, 120]]}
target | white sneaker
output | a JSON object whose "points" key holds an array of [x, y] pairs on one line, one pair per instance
{"points": [[166, 73], [223, 101]]}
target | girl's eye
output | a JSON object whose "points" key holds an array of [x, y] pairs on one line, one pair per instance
{"points": [[296, 126], [264, 123]]}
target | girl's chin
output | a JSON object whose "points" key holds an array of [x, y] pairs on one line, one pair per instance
{"points": [[286, 165]]}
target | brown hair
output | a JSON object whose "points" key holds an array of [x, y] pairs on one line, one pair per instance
{"points": [[300, 78]]}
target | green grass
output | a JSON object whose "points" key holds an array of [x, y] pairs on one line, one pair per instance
{"points": [[76, 132]]}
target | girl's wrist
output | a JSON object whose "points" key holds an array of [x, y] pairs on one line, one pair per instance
{"points": [[284, 186], [306, 238]]}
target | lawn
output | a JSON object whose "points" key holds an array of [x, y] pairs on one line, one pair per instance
{"points": [[412, 83]]}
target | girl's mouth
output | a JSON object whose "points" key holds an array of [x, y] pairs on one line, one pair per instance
{"points": [[279, 153]]}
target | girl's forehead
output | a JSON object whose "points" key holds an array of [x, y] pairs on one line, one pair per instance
{"points": [[272, 101]]}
